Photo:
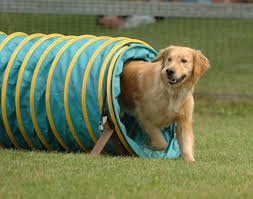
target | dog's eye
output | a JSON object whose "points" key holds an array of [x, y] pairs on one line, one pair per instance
{"points": [[169, 59], [183, 61]]}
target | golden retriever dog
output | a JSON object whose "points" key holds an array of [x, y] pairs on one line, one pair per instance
{"points": [[160, 92]]}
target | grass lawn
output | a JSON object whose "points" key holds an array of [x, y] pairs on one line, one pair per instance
{"points": [[223, 167]]}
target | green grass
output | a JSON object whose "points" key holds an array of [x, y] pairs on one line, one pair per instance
{"points": [[223, 167], [227, 43]]}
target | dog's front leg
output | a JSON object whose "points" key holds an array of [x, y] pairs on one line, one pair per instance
{"points": [[184, 132], [186, 139]]}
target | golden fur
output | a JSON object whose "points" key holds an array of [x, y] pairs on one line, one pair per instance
{"points": [[161, 92]]}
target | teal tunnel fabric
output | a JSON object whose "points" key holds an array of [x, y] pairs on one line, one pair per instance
{"points": [[54, 88]]}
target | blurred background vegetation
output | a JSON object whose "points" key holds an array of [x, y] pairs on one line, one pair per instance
{"points": [[226, 42]]}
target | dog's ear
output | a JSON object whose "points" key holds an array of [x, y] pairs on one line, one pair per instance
{"points": [[201, 64], [159, 56], [162, 54]]}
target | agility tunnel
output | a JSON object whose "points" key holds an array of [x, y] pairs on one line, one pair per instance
{"points": [[55, 90]]}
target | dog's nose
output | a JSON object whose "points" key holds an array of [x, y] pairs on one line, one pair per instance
{"points": [[170, 71]]}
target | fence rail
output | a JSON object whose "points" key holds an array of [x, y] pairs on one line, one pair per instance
{"points": [[169, 9]]}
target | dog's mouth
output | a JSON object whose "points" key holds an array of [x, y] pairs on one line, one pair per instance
{"points": [[174, 81]]}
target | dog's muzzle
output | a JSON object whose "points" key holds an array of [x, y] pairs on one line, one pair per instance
{"points": [[172, 80]]}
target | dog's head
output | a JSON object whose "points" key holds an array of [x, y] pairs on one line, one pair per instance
{"points": [[180, 64]]}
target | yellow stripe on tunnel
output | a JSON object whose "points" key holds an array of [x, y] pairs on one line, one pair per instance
{"points": [[4, 86], [50, 118], [32, 90], [2, 33], [110, 105], [85, 113], [100, 85], [20, 74], [83, 90], [102, 71]]}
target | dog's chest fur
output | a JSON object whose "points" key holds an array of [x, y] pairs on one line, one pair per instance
{"points": [[160, 104], [177, 98]]}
